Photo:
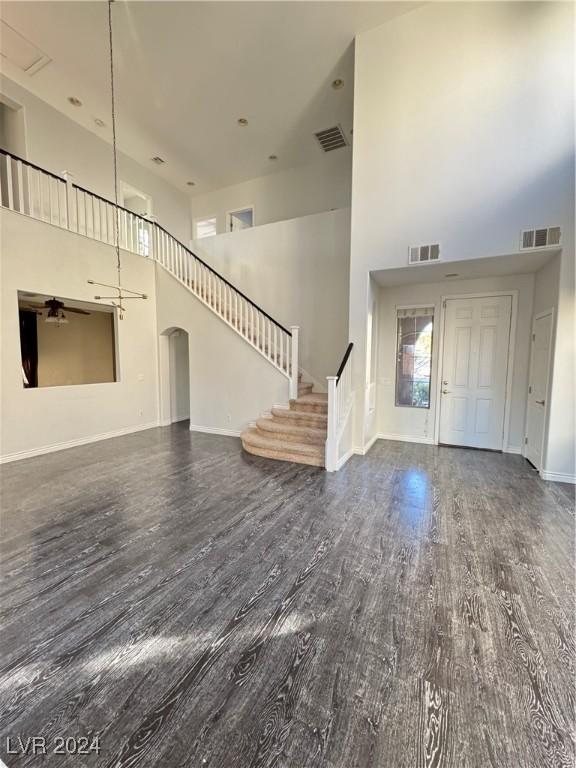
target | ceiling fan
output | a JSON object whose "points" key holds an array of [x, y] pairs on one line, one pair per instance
{"points": [[55, 310]]}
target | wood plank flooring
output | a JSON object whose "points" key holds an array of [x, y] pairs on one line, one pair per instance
{"points": [[192, 605]]}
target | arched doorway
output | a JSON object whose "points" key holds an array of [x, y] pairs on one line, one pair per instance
{"points": [[174, 376]]}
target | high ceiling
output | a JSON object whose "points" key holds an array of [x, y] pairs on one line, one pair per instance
{"points": [[186, 71]]}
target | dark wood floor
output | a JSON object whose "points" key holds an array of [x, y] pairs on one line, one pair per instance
{"points": [[196, 606]]}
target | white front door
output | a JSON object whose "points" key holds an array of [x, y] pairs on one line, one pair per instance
{"points": [[538, 389], [474, 371]]}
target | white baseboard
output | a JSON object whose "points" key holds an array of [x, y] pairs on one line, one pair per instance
{"points": [[215, 431], [343, 459], [558, 477], [407, 438], [513, 449], [18, 455], [363, 451]]}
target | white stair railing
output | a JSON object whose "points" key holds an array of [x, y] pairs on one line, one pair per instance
{"points": [[340, 402], [32, 191]]}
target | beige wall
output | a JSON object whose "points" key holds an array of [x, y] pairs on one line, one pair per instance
{"points": [[79, 352]]}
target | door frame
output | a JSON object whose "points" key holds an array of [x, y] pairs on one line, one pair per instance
{"points": [[513, 293], [539, 316]]}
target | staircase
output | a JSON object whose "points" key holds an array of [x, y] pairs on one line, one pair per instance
{"points": [[297, 433]]}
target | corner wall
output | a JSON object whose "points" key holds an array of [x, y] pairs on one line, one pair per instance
{"points": [[298, 272], [464, 135], [321, 186]]}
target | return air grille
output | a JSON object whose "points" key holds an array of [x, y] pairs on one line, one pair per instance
{"points": [[423, 254], [543, 237], [331, 138]]}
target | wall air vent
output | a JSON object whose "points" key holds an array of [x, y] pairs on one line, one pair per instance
{"points": [[158, 160], [15, 48], [331, 138], [542, 237], [423, 254]]}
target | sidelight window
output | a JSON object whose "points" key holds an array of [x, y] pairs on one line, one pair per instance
{"points": [[414, 356]]}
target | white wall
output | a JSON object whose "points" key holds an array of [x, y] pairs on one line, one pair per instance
{"points": [[298, 272], [231, 384], [464, 135], [43, 259], [321, 186], [58, 144], [418, 423]]}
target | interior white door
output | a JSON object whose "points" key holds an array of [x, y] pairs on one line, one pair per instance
{"points": [[474, 371], [538, 389]]}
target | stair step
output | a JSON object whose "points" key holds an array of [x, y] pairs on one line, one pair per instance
{"points": [[268, 447], [315, 402], [304, 388], [301, 418], [282, 429]]}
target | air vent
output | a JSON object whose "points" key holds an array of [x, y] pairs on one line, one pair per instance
{"points": [[543, 237], [423, 254], [331, 138], [21, 52], [158, 160]]}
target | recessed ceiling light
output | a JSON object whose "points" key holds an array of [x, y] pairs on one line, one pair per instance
{"points": [[242, 121], [452, 274], [158, 160], [99, 123], [272, 157], [191, 183], [337, 84], [74, 101]]}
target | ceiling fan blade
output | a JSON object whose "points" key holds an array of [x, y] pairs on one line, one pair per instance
{"points": [[31, 305], [78, 311]]}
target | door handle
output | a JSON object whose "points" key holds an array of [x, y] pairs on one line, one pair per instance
{"points": [[445, 392], [540, 402]]}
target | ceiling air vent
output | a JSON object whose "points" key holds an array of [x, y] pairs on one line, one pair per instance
{"points": [[543, 237], [17, 49], [423, 254], [331, 138]]}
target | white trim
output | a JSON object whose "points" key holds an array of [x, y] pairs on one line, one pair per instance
{"points": [[215, 430], [513, 293], [558, 477], [363, 451], [343, 459], [240, 210], [513, 449], [75, 443], [536, 317], [407, 438]]}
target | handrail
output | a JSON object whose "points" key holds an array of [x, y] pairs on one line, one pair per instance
{"points": [[344, 361], [154, 224], [32, 165], [208, 267]]}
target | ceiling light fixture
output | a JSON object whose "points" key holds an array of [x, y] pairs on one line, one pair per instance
{"points": [[191, 183], [272, 157], [158, 160], [337, 84], [242, 121], [74, 101], [99, 123], [452, 274]]}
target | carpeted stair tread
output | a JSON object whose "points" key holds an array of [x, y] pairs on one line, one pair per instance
{"points": [[269, 447], [285, 430]]}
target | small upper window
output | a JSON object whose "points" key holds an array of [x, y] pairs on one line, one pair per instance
{"points": [[205, 228], [243, 219], [414, 357]]}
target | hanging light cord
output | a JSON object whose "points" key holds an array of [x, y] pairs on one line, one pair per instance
{"points": [[115, 151]]}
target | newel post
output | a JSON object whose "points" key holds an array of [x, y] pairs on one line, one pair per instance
{"points": [[331, 459], [295, 330], [71, 222]]}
